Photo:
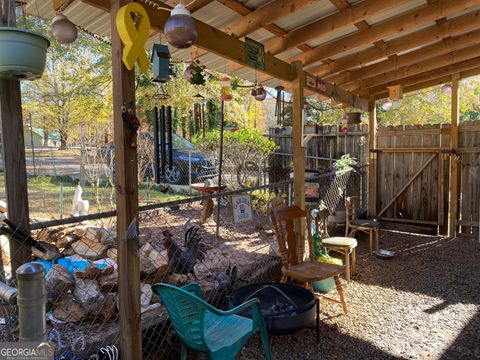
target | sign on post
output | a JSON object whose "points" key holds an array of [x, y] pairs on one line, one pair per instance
{"points": [[242, 208]]}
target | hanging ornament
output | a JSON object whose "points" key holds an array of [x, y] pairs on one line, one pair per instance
{"points": [[259, 93], [63, 30], [446, 89], [180, 29], [226, 92], [387, 105]]}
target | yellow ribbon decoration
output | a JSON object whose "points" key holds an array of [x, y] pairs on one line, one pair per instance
{"points": [[134, 36]]}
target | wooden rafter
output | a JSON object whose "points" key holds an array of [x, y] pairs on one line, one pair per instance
{"points": [[265, 15], [340, 4], [418, 68], [426, 76], [396, 62], [433, 82], [453, 27], [231, 48], [345, 17], [197, 5], [396, 25], [252, 17]]}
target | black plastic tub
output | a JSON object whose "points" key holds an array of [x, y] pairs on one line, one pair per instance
{"points": [[286, 308]]}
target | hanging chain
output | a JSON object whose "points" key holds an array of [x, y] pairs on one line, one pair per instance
{"points": [[98, 37]]}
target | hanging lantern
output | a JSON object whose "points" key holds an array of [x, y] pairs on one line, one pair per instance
{"points": [[387, 105], [180, 30], [63, 30], [226, 92], [446, 89]]}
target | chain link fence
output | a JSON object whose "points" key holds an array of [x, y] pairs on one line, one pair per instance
{"points": [[191, 235]]}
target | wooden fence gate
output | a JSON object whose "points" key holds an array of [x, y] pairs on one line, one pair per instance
{"points": [[413, 175]]}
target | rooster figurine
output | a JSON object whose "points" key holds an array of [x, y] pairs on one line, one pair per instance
{"points": [[183, 261]]}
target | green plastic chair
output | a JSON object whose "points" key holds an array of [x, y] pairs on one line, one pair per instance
{"points": [[204, 328]]}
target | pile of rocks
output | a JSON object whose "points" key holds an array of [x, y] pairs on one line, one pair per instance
{"points": [[83, 279]]}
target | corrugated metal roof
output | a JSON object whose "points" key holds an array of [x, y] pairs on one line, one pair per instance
{"points": [[218, 15]]}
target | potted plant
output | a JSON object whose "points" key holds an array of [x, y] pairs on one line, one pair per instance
{"points": [[22, 53]]}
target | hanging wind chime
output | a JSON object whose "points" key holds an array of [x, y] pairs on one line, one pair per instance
{"points": [[280, 105]]}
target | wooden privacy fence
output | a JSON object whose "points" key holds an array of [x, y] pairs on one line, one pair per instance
{"points": [[413, 175], [328, 144]]}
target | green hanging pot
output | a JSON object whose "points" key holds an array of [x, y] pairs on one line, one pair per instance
{"points": [[23, 54]]}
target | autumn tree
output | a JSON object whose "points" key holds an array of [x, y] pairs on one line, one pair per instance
{"points": [[75, 89]]}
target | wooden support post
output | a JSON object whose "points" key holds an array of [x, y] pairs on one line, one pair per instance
{"points": [[14, 152], [454, 161], [298, 150], [126, 186], [372, 168]]}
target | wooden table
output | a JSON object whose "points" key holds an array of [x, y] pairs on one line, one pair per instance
{"points": [[207, 210]]}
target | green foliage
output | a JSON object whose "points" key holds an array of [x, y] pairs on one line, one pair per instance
{"points": [[430, 106], [346, 162], [261, 200], [244, 141]]}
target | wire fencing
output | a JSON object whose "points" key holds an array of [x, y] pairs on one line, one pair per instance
{"points": [[191, 229]]}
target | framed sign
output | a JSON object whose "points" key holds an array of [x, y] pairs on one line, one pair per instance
{"points": [[321, 86], [242, 208], [254, 53], [311, 81]]}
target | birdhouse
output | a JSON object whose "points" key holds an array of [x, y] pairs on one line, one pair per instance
{"points": [[160, 63]]}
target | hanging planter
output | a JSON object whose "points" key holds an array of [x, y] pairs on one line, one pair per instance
{"points": [[22, 54]]}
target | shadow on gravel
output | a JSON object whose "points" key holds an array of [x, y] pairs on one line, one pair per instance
{"points": [[465, 345], [443, 268]]}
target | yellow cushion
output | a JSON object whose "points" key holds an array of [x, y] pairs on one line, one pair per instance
{"points": [[339, 241]]}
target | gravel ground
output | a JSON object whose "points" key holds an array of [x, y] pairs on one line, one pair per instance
{"points": [[422, 304]]}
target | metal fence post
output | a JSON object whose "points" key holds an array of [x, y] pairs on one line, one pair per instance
{"points": [[190, 171], [31, 302]]}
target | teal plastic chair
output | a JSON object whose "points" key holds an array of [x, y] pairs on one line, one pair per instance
{"points": [[204, 328]]}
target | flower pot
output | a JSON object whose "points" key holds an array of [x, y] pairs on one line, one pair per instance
{"points": [[22, 54]]}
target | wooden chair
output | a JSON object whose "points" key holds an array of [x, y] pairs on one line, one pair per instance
{"points": [[293, 265], [353, 224], [342, 245]]}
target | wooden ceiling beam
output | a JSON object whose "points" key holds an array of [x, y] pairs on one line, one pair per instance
{"points": [[433, 82], [394, 62], [230, 48], [425, 76], [452, 27], [197, 5], [265, 14], [342, 18], [417, 68], [340, 4], [394, 26]]}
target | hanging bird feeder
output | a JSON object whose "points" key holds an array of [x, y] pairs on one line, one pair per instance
{"points": [[180, 29], [23, 54], [63, 30], [226, 92], [160, 63], [259, 93]]}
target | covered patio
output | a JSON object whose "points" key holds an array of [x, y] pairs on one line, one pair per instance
{"points": [[355, 54]]}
